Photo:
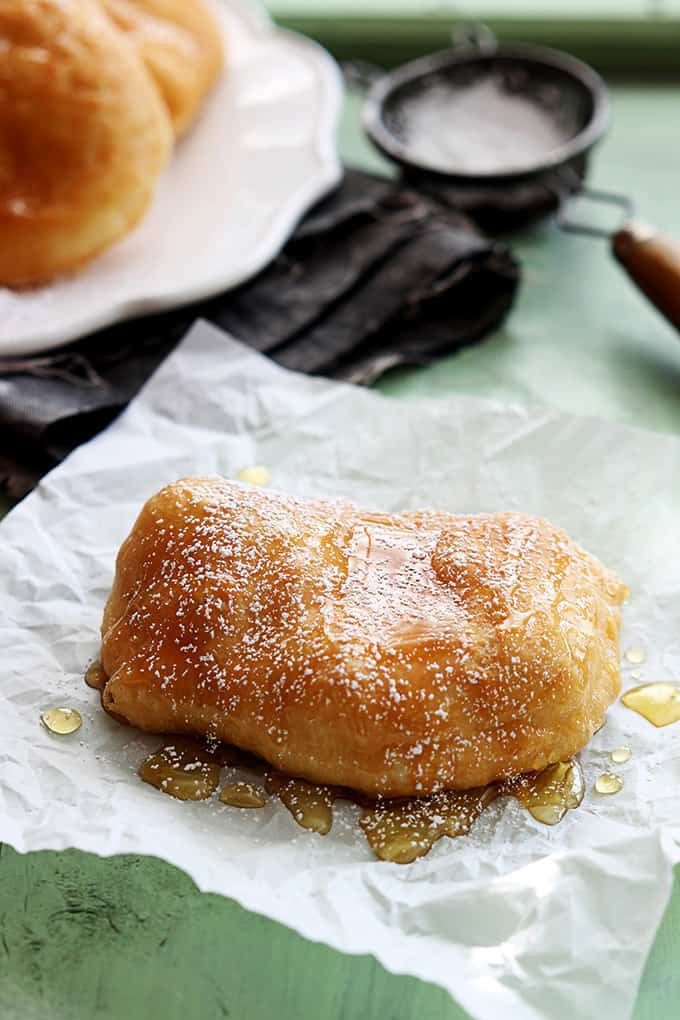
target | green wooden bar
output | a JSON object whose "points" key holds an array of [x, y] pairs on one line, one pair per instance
{"points": [[628, 45]]}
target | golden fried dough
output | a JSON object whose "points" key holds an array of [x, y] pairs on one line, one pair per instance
{"points": [[396, 654], [181, 44], [84, 136]]}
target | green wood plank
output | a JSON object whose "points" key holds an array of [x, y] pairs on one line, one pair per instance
{"points": [[540, 10], [131, 938], [621, 43], [84, 938]]}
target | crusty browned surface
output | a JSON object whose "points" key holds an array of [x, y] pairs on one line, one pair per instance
{"points": [[84, 136], [395, 654]]}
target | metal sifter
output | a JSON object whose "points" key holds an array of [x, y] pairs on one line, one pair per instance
{"points": [[503, 133]]}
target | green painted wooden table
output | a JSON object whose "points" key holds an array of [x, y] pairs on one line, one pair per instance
{"points": [[131, 938]]}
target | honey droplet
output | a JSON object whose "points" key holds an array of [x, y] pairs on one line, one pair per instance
{"points": [[183, 768], [549, 794], [243, 795], [621, 754], [61, 720], [635, 654], [659, 703], [401, 830], [609, 783], [255, 475], [95, 676], [310, 805]]}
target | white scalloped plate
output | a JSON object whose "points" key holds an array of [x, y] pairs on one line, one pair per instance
{"points": [[262, 152]]}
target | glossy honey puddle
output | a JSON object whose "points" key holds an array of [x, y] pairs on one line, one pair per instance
{"points": [[659, 703], [311, 805], [398, 830], [183, 768], [62, 721]]}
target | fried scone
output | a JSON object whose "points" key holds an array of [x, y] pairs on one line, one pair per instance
{"points": [[396, 654], [181, 44], [84, 136]]}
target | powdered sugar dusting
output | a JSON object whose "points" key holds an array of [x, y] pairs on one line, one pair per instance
{"points": [[396, 654]]}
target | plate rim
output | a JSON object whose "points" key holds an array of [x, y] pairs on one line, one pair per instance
{"points": [[311, 190]]}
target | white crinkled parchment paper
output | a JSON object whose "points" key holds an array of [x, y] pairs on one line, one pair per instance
{"points": [[516, 919]]}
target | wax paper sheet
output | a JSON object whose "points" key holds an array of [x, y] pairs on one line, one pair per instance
{"points": [[515, 919]]}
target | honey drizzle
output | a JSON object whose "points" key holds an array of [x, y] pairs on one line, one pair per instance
{"points": [[397, 829], [95, 677], [658, 703], [243, 795], [402, 830], [311, 805], [549, 794], [182, 768]]}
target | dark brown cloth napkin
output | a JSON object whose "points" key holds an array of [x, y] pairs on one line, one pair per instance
{"points": [[376, 276]]}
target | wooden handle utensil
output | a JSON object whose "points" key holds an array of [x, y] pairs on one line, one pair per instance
{"points": [[653, 262]]}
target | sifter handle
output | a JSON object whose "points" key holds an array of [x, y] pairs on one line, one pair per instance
{"points": [[653, 262]]}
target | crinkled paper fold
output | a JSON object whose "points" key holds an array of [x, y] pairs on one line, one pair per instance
{"points": [[516, 919]]}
